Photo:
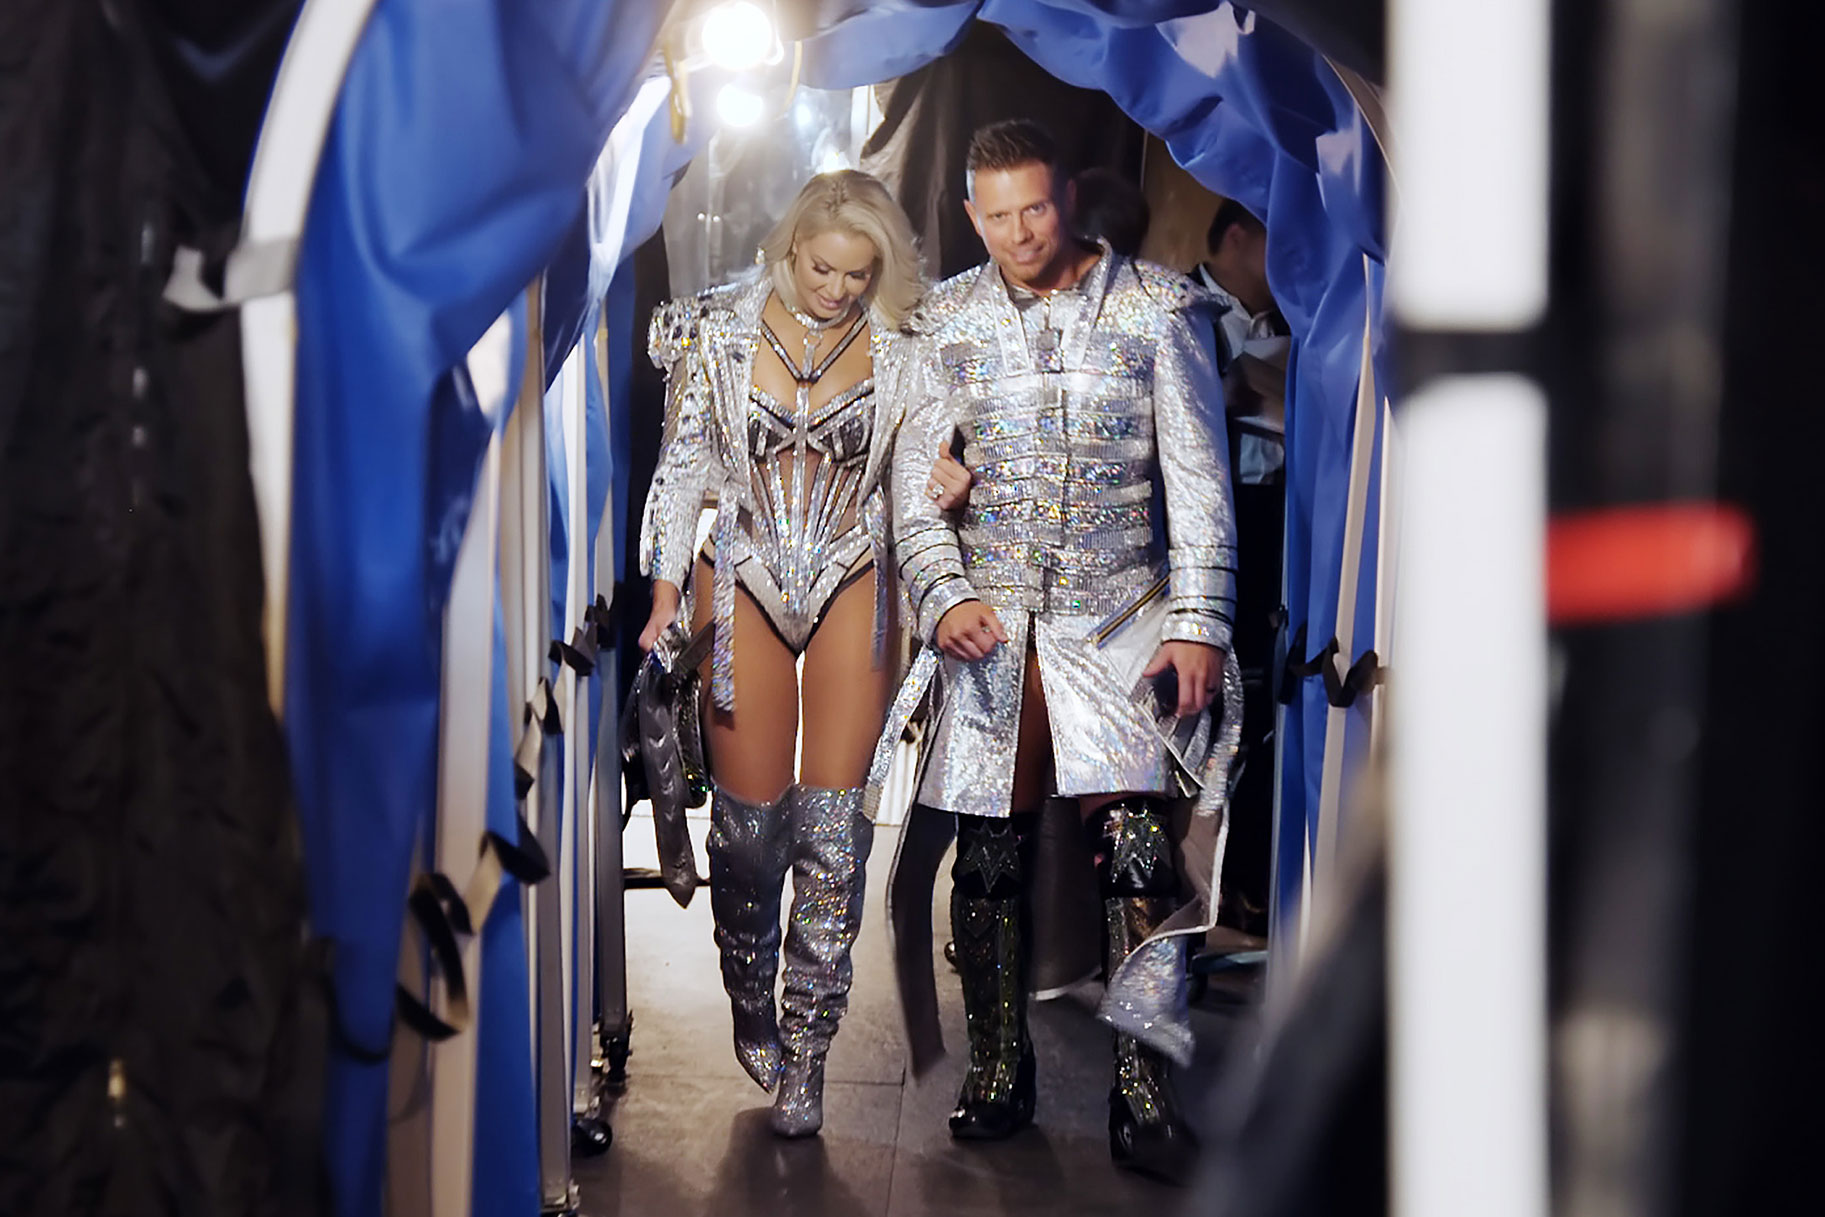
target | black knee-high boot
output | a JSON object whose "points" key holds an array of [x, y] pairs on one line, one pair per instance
{"points": [[988, 915], [1140, 890]]}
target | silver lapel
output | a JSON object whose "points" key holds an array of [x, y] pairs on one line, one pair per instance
{"points": [[885, 367], [1077, 342], [991, 294], [732, 362]]}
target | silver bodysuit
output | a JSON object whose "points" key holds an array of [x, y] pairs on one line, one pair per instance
{"points": [[796, 486], [805, 537]]}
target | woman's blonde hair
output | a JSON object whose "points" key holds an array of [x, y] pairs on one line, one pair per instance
{"points": [[850, 201]]}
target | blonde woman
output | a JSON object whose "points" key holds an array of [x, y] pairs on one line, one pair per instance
{"points": [[778, 413]]}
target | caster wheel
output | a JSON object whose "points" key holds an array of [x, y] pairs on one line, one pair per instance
{"points": [[615, 1051], [590, 1137]]}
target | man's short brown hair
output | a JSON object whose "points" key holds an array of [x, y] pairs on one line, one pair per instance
{"points": [[1010, 143]]}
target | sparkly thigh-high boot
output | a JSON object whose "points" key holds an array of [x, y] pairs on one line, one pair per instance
{"points": [[988, 916], [1140, 888], [830, 842], [750, 848]]}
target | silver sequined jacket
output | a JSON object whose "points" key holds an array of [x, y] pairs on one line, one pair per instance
{"points": [[706, 345], [1095, 456]]}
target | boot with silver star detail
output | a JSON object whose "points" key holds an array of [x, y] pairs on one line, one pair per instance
{"points": [[1139, 884]]}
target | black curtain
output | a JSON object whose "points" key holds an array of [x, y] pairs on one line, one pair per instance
{"points": [[159, 1041], [1753, 1069]]}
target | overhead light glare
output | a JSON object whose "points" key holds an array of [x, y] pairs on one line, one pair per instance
{"points": [[737, 35], [739, 107]]}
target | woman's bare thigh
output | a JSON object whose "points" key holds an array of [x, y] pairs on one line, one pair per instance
{"points": [[845, 693], [751, 748]]}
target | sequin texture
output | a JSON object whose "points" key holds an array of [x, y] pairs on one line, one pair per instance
{"points": [[1092, 421], [831, 839], [750, 847], [796, 485]]}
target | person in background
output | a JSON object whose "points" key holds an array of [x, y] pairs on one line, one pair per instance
{"points": [[1251, 340], [1234, 270], [1252, 346], [1112, 208]]}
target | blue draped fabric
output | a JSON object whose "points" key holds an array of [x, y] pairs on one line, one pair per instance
{"points": [[567, 297], [599, 474], [452, 169]]}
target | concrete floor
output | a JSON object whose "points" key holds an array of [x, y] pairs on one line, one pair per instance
{"points": [[691, 1133]]}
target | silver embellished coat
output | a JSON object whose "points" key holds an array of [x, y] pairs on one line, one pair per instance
{"points": [[706, 344], [1094, 427], [1099, 525]]}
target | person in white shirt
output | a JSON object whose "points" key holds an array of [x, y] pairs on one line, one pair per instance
{"points": [[1251, 341], [1252, 346]]}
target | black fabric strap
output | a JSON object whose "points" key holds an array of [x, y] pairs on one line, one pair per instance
{"points": [[442, 913], [524, 859], [542, 712], [438, 910], [1341, 688], [1293, 670], [580, 652], [605, 618]]}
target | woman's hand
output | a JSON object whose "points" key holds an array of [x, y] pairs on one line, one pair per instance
{"points": [[950, 482], [666, 598]]}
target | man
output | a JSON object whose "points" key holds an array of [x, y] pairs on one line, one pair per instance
{"points": [[1088, 404], [1251, 340], [1234, 271], [1252, 346]]}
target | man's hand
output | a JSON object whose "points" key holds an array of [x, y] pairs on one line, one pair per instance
{"points": [[950, 482], [970, 631], [1200, 670], [665, 611]]}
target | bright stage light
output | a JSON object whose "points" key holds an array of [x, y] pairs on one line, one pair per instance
{"points": [[738, 107], [737, 35]]}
